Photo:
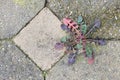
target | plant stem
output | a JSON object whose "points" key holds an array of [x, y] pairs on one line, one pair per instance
{"points": [[89, 31]]}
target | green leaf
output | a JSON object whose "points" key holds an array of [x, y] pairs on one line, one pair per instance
{"points": [[63, 39], [84, 28], [89, 50], [68, 37], [80, 19], [78, 46]]}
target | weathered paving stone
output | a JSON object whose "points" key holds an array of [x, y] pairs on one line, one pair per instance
{"points": [[106, 66], [108, 11], [14, 65], [14, 14], [38, 38]]}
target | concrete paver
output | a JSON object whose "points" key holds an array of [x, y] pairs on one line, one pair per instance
{"points": [[106, 66], [14, 65], [38, 38], [14, 14]]}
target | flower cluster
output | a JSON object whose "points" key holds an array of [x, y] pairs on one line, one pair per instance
{"points": [[75, 42]]}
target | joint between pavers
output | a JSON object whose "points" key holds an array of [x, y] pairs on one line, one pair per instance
{"points": [[44, 74], [56, 63], [24, 25], [46, 2], [27, 23], [107, 39], [27, 56], [6, 39], [52, 10], [47, 71]]}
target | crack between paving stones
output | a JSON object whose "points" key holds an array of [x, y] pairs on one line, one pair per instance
{"points": [[47, 5], [6, 39], [44, 75], [55, 63], [108, 39], [43, 72], [26, 23], [46, 2]]}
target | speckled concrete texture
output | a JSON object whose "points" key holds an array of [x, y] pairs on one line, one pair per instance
{"points": [[108, 11], [14, 65], [27, 40], [106, 66], [14, 14], [39, 37]]}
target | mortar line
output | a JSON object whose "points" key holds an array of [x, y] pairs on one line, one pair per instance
{"points": [[56, 62], [52, 11], [25, 24], [27, 56], [108, 39], [45, 3]]}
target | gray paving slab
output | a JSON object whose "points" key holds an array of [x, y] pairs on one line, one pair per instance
{"points": [[14, 65], [14, 14], [106, 66], [38, 38], [108, 11]]}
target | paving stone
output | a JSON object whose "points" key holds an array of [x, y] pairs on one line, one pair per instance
{"points": [[38, 38], [14, 65], [106, 66], [108, 11], [14, 14]]}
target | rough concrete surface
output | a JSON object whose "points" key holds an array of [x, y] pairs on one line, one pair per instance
{"points": [[108, 11], [14, 14], [34, 36], [14, 65], [39, 37], [106, 66]]}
